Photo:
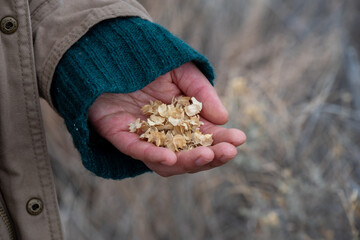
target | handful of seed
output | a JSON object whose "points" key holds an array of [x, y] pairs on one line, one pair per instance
{"points": [[175, 126]]}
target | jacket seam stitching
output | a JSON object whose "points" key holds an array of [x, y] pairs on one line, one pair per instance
{"points": [[38, 8], [29, 120], [42, 10], [36, 121]]}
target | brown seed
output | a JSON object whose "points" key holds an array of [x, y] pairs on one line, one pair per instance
{"points": [[175, 126]]}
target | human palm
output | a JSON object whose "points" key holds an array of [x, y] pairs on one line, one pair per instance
{"points": [[111, 113]]}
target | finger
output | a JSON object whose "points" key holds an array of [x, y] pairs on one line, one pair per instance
{"points": [[192, 82], [187, 162], [220, 134], [223, 153], [195, 158], [164, 171]]}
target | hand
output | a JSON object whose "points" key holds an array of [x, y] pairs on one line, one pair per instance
{"points": [[110, 115]]}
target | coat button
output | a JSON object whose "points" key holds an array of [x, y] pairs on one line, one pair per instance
{"points": [[34, 206], [8, 25]]}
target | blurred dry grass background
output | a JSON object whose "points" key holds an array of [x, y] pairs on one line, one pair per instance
{"points": [[289, 73]]}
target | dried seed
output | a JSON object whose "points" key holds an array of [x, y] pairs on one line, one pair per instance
{"points": [[175, 126]]}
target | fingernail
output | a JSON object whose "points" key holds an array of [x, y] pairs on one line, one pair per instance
{"points": [[166, 163], [201, 162], [224, 159]]}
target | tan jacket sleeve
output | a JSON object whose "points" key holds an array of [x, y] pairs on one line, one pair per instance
{"points": [[58, 24]]}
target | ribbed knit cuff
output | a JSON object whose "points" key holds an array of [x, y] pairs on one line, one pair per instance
{"points": [[119, 55]]}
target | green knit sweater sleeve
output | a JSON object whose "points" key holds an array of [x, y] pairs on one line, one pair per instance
{"points": [[119, 55]]}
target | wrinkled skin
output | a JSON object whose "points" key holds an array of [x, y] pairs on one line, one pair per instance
{"points": [[110, 115]]}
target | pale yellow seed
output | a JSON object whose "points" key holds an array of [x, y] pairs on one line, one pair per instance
{"points": [[175, 126]]}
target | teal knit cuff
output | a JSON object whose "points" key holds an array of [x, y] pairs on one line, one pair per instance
{"points": [[119, 55]]}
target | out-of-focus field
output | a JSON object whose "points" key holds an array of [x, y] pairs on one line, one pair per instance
{"points": [[289, 74]]}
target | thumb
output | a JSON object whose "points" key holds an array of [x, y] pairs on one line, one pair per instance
{"points": [[192, 82]]}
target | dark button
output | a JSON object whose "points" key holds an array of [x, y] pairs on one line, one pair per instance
{"points": [[8, 25], [34, 206]]}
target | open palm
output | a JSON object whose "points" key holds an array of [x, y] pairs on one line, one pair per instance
{"points": [[111, 113]]}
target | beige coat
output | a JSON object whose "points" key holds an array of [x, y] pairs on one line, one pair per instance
{"points": [[34, 35]]}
